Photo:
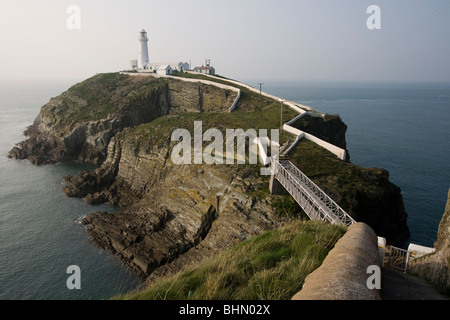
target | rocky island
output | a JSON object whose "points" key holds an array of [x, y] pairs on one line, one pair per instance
{"points": [[172, 216]]}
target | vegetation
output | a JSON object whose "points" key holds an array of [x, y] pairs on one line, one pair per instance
{"points": [[339, 179], [272, 266], [100, 96], [160, 130], [249, 101], [286, 206]]}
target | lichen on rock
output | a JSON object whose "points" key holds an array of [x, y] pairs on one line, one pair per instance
{"points": [[171, 216]]}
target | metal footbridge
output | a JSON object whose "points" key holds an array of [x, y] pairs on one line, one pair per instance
{"points": [[314, 202]]}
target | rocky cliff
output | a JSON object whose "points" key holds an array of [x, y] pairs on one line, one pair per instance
{"points": [[436, 267], [170, 215], [329, 128], [78, 124], [170, 210]]}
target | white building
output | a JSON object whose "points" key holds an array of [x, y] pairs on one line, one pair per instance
{"points": [[152, 67], [183, 66], [164, 70], [206, 70], [133, 64], [142, 64]]}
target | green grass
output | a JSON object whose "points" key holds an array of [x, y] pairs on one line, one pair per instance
{"points": [[109, 93], [336, 177], [249, 101], [160, 130], [286, 206], [272, 266], [101, 95]]}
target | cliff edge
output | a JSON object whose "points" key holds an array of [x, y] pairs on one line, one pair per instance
{"points": [[171, 216], [79, 123]]}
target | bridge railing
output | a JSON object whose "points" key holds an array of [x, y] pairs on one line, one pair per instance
{"points": [[313, 200]]}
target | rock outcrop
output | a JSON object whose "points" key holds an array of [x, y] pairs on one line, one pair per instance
{"points": [[170, 210], [171, 216], [436, 267], [78, 124], [328, 128], [364, 193]]}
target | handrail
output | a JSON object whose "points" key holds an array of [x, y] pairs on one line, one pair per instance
{"points": [[313, 198]]}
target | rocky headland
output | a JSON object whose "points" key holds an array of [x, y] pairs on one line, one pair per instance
{"points": [[171, 216]]}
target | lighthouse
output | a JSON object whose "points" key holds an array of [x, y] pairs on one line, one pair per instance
{"points": [[143, 50]]}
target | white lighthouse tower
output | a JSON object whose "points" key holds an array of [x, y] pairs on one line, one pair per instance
{"points": [[143, 50]]}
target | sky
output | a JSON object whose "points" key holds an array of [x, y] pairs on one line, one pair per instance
{"points": [[247, 40]]}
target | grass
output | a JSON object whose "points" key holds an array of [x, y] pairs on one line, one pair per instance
{"points": [[249, 101], [272, 266], [286, 206], [100, 96], [160, 130], [334, 176], [109, 93]]}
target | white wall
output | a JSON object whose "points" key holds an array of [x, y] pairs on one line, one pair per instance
{"points": [[302, 109]]}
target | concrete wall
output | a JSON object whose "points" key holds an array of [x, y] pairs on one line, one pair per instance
{"points": [[212, 83], [343, 274], [339, 152], [236, 101], [301, 109]]}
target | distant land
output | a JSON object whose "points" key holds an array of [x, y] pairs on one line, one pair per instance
{"points": [[172, 215]]}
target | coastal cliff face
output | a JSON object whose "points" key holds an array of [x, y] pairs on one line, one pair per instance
{"points": [[78, 124], [329, 128], [436, 267], [172, 216], [364, 193]]}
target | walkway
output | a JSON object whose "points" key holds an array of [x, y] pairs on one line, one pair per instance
{"points": [[399, 286], [314, 202]]}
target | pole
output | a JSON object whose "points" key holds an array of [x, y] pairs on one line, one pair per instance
{"points": [[281, 129], [260, 86]]}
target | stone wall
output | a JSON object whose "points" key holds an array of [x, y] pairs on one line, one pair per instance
{"points": [[196, 96], [343, 274]]}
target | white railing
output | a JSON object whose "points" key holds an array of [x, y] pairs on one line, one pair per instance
{"points": [[313, 200], [399, 259]]}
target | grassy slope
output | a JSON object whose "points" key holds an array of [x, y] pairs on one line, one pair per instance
{"points": [[253, 112], [333, 175], [272, 266], [97, 97], [275, 264]]}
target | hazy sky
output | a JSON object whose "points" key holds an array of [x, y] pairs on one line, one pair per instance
{"points": [[260, 40]]}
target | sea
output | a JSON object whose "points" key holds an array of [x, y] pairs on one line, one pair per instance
{"points": [[403, 128]]}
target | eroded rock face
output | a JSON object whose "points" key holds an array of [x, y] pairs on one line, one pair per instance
{"points": [[170, 216], [78, 124], [170, 210], [328, 128]]}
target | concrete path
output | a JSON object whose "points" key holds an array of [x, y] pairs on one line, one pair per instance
{"points": [[398, 286]]}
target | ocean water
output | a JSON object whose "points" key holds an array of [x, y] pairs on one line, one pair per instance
{"points": [[402, 129], [40, 230]]}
